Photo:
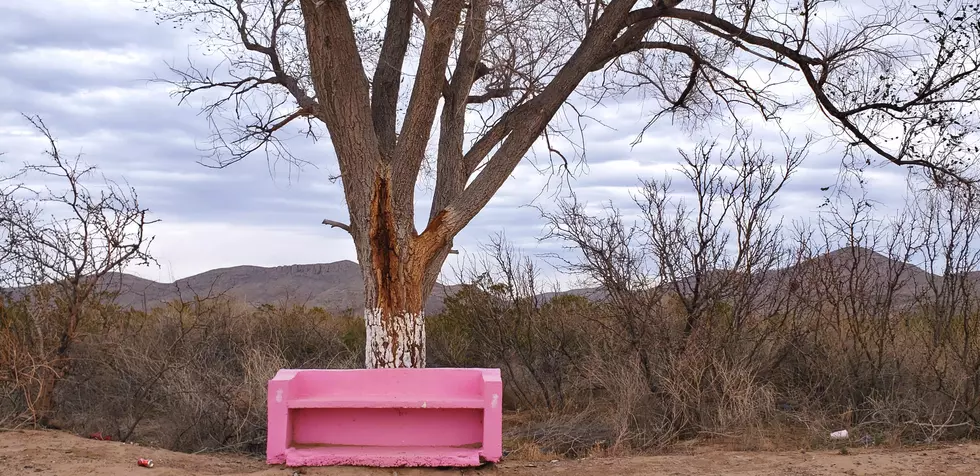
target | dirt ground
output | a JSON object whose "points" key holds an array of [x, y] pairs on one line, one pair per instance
{"points": [[56, 453]]}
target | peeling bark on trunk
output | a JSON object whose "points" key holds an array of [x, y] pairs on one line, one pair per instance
{"points": [[394, 339]]}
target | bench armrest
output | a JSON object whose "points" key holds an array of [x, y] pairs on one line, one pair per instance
{"points": [[492, 415], [278, 416]]}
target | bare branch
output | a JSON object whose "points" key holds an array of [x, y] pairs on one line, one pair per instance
{"points": [[451, 168], [387, 76], [426, 92], [490, 94], [421, 12], [337, 224]]}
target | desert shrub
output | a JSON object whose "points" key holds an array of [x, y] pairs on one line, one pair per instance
{"points": [[537, 343], [191, 376]]}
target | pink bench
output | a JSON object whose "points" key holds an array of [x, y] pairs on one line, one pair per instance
{"points": [[385, 417]]}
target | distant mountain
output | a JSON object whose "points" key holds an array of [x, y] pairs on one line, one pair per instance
{"points": [[877, 278], [336, 287], [827, 277]]}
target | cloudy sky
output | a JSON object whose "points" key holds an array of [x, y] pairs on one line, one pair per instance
{"points": [[84, 65]]}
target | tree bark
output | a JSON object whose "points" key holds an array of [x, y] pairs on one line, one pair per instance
{"points": [[394, 339]]}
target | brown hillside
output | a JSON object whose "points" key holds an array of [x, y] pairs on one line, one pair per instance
{"points": [[335, 287]]}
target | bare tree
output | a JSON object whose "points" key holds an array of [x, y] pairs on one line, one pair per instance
{"points": [[613, 255], [713, 249], [732, 190], [484, 79], [60, 241], [951, 218]]}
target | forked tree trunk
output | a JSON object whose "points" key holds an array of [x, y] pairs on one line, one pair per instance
{"points": [[399, 267]]}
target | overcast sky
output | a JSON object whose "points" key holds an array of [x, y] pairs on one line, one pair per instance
{"points": [[83, 66]]}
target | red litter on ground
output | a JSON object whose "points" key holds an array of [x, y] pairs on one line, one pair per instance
{"points": [[146, 463]]}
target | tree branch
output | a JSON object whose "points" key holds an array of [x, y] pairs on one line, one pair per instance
{"points": [[262, 74], [337, 70], [831, 110], [388, 75], [451, 170], [426, 92], [540, 111], [736, 32], [275, 62], [490, 94], [337, 224], [421, 13]]}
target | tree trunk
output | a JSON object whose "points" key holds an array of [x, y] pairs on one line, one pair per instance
{"points": [[395, 338], [42, 405], [394, 310], [399, 267]]}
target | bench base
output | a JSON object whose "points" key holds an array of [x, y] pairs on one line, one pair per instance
{"points": [[383, 456]]}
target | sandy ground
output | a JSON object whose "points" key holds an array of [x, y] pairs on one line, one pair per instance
{"points": [[57, 453]]}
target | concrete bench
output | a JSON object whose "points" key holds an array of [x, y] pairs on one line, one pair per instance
{"points": [[385, 417]]}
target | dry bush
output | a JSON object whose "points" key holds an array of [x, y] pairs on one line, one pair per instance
{"points": [[192, 376], [63, 232], [499, 320], [701, 393]]}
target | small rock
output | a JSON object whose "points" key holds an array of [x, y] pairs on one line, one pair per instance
{"points": [[554, 461]]}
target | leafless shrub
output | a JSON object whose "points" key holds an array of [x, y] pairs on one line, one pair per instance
{"points": [[192, 376], [60, 240], [738, 323], [949, 306], [503, 321]]}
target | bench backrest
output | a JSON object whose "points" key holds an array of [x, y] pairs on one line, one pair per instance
{"points": [[402, 382]]}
